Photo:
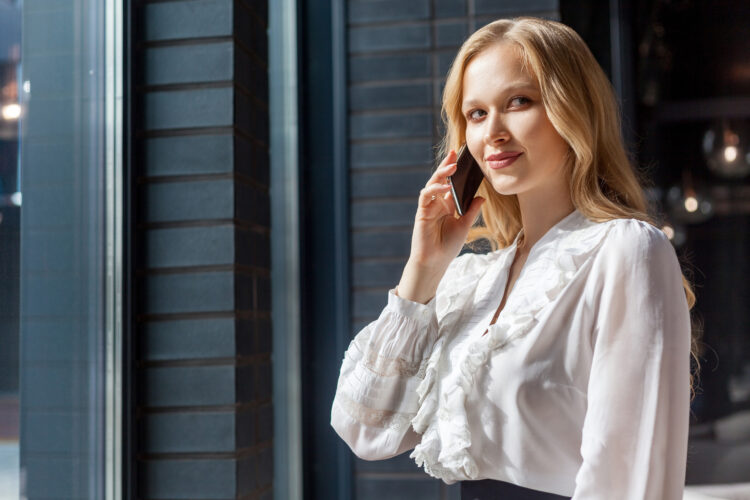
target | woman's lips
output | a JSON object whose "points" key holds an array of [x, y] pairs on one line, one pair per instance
{"points": [[501, 161]]}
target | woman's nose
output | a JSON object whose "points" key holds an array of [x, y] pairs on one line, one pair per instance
{"points": [[497, 131]]}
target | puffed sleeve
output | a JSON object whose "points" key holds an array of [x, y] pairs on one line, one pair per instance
{"points": [[376, 395], [634, 439]]}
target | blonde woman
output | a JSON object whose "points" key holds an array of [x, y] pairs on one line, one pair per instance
{"points": [[557, 365]]}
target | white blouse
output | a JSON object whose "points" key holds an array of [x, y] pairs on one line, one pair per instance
{"points": [[580, 388]]}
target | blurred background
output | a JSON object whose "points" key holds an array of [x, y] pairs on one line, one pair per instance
{"points": [[202, 201], [686, 98]]}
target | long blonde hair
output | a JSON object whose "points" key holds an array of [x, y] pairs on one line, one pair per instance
{"points": [[581, 105]]}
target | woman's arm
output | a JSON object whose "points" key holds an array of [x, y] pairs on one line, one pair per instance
{"points": [[376, 394], [635, 432]]}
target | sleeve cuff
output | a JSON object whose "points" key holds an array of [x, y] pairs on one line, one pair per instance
{"points": [[423, 313]]}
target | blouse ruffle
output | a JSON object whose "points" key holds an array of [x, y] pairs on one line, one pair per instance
{"points": [[441, 417]]}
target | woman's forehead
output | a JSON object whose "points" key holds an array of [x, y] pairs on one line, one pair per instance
{"points": [[501, 60], [499, 67]]}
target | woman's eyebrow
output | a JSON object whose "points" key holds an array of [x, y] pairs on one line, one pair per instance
{"points": [[513, 87]]}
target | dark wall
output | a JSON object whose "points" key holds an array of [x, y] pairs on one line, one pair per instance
{"points": [[202, 303]]}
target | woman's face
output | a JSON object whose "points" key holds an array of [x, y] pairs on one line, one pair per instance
{"points": [[507, 129]]}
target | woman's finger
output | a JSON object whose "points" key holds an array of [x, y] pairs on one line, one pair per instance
{"points": [[440, 176], [448, 203], [446, 168], [432, 193], [451, 157]]}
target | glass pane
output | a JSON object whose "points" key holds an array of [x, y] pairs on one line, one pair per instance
{"points": [[10, 69], [52, 210]]}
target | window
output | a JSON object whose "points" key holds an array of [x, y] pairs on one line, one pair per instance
{"points": [[58, 194]]}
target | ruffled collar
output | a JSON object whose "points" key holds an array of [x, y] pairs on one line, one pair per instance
{"points": [[551, 264]]}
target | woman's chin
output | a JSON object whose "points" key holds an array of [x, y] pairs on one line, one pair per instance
{"points": [[505, 188]]}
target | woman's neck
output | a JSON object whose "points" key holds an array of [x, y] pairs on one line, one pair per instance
{"points": [[539, 215]]}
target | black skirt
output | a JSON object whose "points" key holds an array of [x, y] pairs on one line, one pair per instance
{"points": [[489, 489]]}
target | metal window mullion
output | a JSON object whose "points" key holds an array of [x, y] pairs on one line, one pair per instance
{"points": [[113, 140], [340, 138], [285, 243]]}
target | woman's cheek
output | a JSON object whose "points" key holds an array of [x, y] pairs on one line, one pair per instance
{"points": [[474, 143], [520, 126]]}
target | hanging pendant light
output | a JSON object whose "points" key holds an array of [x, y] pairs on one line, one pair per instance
{"points": [[725, 147], [688, 204], [676, 233]]}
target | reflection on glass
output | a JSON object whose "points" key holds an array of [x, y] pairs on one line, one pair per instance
{"points": [[51, 250], [10, 113]]}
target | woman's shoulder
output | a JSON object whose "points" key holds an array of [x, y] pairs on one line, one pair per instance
{"points": [[629, 235], [633, 243]]}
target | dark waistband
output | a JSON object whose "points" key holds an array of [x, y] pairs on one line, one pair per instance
{"points": [[489, 489]]}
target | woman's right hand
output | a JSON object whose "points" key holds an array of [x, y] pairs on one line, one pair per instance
{"points": [[438, 235]]}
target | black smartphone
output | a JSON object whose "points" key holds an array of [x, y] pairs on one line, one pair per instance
{"points": [[465, 181]]}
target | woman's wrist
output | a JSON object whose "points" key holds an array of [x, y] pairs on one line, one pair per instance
{"points": [[418, 283]]}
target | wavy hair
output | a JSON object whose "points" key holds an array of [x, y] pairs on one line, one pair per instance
{"points": [[581, 105]]}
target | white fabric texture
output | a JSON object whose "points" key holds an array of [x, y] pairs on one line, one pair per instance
{"points": [[580, 388]]}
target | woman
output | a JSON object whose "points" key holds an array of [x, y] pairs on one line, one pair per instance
{"points": [[557, 365]]}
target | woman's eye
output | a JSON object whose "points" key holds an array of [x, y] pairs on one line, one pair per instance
{"points": [[473, 114], [520, 101], [515, 102]]}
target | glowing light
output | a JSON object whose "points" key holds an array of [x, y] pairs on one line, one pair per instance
{"points": [[669, 231], [15, 198], [11, 111], [27, 86], [730, 153], [691, 204]]}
